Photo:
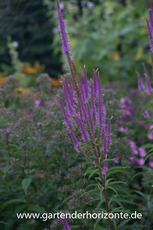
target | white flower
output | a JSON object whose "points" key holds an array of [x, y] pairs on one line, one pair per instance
{"points": [[90, 5], [15, 44]]}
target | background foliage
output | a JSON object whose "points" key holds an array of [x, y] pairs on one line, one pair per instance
{"points": [[111, 36]]}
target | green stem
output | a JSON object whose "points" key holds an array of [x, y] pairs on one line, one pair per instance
{"points": [[106, 199]]}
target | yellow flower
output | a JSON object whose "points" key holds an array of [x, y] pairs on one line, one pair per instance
{"points": [[20, 91], [116, 56], [139, 54], [2, 80], [56, 83], [32, 69]]}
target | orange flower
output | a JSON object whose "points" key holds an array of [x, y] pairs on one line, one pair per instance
{"points": [[56, 83], [2, 80], [20, 91], [32, 69]]}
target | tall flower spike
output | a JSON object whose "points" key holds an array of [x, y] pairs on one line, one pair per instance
{"points": [[66, 47], [147, 80], [148, 85], [73, 86], [145, 113], [81, 88], [145, 70], [99, 88], [140, 85], [90, 120], [65, 224], [86, 85], [75, 141], [62, 28], [105, 168], [68, 99], [101, 112], [95, 82], [104, 148], [150, 4], [150, 35], [84, 133], [93, 105], [65, 115], [109, 138]]}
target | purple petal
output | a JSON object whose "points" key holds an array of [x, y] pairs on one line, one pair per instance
{"points": [[140, 85], [65, 224]]}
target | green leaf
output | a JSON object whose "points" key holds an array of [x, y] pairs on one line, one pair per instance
{"points": [[117, 201], [25, 184], [110, 187], [96, 171], [38, 209], [148, 182], [107, 160], [91, 191], [142, 194], [92, 185], [127, 201], [89, 170], [117, 171], [13, 201], [116, 168], [2, 222], [64, 171], [148, 155], [147, 146], [117, 182], [97, 221], [18, 153], [7, 168], [122, 224], [19, 209], [66, 199]]}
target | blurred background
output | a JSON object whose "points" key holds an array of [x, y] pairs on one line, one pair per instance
{"points": [[108, 35]]}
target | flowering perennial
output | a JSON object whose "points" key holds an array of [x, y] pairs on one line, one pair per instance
{"points": [[150, 24], [84, 109], [147, 81], [85, 112]]}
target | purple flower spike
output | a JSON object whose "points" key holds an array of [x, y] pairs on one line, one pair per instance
{"points": [[145, 113], [73, 86], [90, 120], [65, 224], [86, 85], [147, 80], [148, 85], [150, 4], [145, 70], [65, 115], [101, 113], [109, 138], [95, 83], [140, 85], [81, 89], [85, 135], [62, 28], [93, 105], [75, 141], [69, 99], [105, 168], [99, 88], [104, 148], [150, 34]]}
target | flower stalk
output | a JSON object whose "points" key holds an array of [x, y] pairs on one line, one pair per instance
{"points": [[85, 112]]}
